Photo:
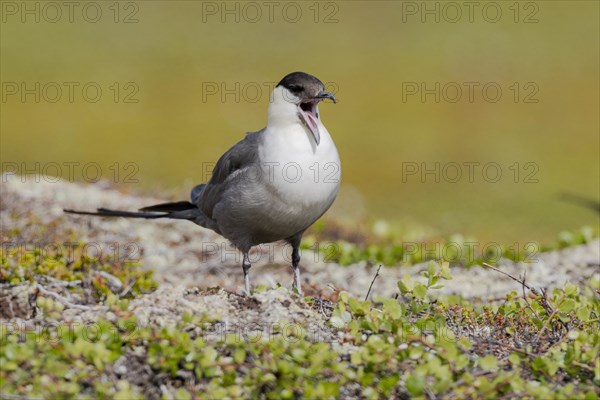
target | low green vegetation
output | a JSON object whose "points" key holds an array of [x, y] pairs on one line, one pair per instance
{"points": [[386, 245], [419, 345], [86, 269]]}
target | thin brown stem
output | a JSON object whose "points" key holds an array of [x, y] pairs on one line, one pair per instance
{"points": [[372, 282]]}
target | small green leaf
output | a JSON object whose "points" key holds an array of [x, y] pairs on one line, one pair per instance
{"points": [[431, 268], [514, 359], [445, 271], [405, 285], [239, 356], [571, 289], [566, 306], [414, 385], [420, 290], [488, 363]]}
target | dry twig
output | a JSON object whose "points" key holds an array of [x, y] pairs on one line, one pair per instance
{"points": [[372, 282], [127, 289], [550, 311], [61, 299], [508, 275]]}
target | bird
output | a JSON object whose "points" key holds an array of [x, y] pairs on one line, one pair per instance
{"points": [[581, 201], [272, 185]]}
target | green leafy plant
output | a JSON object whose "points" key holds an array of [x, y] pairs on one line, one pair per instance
{"points": [[416, 345]]}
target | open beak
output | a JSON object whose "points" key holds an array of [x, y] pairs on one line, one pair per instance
{"points": [[307, 109]]}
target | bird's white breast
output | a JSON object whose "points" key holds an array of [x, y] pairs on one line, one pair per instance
{"points": [[304, 175]]}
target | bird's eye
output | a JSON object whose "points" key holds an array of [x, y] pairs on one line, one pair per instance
{"points": [[296, 88]]}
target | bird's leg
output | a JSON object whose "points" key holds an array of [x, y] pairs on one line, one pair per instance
{"points": [[296, 268], [246, 267]]}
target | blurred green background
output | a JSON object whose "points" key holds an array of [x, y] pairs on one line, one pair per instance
{"points": [[171, 55]]}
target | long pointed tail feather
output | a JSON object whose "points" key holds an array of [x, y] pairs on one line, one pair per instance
{"points": [[178, 210], [191, 213], [170, 207], [104, 212]]}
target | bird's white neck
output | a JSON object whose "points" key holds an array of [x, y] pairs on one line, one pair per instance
{"points": [[282, 109], [283, 117]]}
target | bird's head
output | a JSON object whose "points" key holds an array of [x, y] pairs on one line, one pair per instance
{"points": [[297, 97]]}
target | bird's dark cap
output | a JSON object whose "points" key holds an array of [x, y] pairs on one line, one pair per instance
{"points": [[300, 82]]}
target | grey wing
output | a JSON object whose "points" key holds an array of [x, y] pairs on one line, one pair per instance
{"points": [[196, 192], [242, 155]]}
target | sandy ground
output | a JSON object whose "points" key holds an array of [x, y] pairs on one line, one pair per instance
{"points": [[188, 256]]}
